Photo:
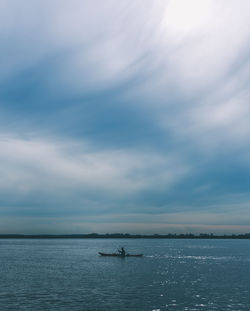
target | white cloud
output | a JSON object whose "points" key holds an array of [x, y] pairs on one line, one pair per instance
{"points": [[217, 123], [205, 38], [37, 164], [95, 43], [190, 60], [194, 43]]}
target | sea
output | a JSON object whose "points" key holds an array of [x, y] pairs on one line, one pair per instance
{"points": [[173, 274]]}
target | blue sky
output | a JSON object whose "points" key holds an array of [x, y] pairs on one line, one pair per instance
{"points": [[124, 116]]}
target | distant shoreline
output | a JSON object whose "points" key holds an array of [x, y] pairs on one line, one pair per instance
{"points": [[124, 236]]}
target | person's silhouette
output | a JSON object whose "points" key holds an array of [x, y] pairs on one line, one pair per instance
{"points": [[122, 252]]}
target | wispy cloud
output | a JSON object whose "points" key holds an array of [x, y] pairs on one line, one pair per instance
{"points": [[73, 175], [136, 106]]}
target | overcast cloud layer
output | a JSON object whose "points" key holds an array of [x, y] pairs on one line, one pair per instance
{"points": [[128, 116]]}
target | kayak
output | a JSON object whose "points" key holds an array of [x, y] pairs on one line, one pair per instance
{"points": [[119, 255]]}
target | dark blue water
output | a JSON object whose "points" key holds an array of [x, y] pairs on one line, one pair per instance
{"points": [[173, 275]]}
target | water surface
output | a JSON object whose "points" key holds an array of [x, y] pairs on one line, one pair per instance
{"points": [[68, 274]]}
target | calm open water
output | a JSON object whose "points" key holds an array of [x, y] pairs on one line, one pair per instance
{"points": [[174, 275]]}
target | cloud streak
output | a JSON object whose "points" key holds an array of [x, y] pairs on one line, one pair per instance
{"points": [[67, 176], [139, 107]]}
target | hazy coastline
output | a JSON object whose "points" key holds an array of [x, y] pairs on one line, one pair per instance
{"points": [[125, 236]]}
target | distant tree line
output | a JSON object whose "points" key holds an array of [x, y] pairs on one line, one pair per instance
{"points": [[125, 236]]}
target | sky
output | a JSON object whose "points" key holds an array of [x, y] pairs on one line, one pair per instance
{"points": [[124, 116]]}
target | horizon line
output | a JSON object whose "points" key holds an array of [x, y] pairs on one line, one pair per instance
{"points": [[127, 236]]}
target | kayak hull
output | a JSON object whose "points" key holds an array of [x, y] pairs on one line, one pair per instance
{"points": [[119, 255]]}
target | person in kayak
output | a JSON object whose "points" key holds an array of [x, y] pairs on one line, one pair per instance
{"points": [[122, 252]]}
